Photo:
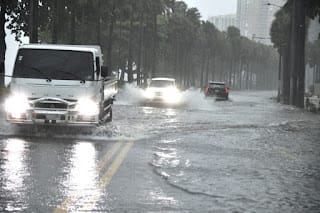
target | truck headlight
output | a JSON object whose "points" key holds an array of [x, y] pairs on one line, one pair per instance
{"points": [[87, 107], [16, 105]]}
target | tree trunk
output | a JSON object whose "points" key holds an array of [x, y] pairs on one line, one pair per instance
{"points": [[110, 41], [280, 74], [300, 52], [145, 62], [33, 21], [207, 69], [248, 75], [213, 67], [176, 58], [234, 74], [230, 73], [123, 71], [2, 42], [73, 23], [55, 22], [130, 50], [98, 22], [140, 48], [202, 72], [286, 76], [154, 44], [240, 74], [119, 47], [297, 49]]}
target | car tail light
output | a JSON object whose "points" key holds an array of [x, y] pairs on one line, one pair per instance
{"points": [[207, 89]]}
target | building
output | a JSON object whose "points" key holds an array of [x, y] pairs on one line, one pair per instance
{"points": [[254, 18], [222, 22]]}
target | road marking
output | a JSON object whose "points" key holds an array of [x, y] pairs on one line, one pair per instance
{"points": [[63, 207], [108, 156], [107, 177], [115, 166]]}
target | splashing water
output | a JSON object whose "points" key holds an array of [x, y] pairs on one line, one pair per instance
{"points": [[190, 99]]}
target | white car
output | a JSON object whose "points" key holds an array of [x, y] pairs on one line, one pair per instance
{"points": [[162, 90]]}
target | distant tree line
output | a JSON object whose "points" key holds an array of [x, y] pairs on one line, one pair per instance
{"points": [[147, 38], [288, 33]]}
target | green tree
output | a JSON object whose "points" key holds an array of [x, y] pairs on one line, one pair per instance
{"points": [[7, 8]]}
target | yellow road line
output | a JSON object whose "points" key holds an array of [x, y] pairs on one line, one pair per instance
{"points": [[115, 166], [108, 156], [106, 178], [62, 208]]}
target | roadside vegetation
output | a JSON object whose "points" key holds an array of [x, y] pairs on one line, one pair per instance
{"points": [[147, 38], [289, 34]]}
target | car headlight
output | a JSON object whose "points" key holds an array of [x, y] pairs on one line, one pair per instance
{"points": [[149, 94], [172, 95], [87, 107], [16, 105]]}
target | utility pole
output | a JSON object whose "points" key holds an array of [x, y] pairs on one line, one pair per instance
{"points": [[297, 60]]}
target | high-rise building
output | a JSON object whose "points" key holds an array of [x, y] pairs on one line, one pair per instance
{"points": [[254, 18], [222, 22]]}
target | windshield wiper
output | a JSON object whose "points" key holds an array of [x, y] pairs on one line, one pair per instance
{"points": [[72, 74], [37, 70]]}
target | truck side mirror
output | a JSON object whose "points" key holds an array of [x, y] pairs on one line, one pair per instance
{"points": [[104, 71]]}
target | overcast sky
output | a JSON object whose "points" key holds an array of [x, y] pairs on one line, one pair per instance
{"points": [[209, 8]]}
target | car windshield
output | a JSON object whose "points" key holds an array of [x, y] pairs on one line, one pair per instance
{"points": [[161, 83], [54, 64]]}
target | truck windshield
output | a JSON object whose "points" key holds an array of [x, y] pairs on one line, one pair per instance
{"points": [[54, 64]]}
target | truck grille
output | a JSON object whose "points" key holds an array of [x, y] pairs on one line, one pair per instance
{"points": [[51, 105]]}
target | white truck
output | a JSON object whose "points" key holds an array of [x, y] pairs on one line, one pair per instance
{"points": [[60, 84]]}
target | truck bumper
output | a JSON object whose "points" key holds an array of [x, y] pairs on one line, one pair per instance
{"points": [[45, 117]]}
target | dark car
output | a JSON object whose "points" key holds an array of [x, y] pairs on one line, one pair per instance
{"points": [[217, 89]]}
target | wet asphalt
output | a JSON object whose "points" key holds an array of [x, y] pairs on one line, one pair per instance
{"points": [[248, 154]]}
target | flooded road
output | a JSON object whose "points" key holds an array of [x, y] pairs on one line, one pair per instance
{"points": [[248, 154]]}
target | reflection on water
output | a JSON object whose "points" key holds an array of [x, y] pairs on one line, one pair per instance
{"points": [[83, 181], [166, 155], [13, 172], [158, 195], [148, 110], [170, 112]]}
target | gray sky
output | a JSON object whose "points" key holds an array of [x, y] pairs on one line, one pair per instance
{"points": [[209, 8]]}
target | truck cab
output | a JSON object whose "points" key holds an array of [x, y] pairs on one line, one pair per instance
{"points": [[60, 84]]}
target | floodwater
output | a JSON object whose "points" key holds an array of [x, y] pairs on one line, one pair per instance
{"points": [[248, 154]]}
